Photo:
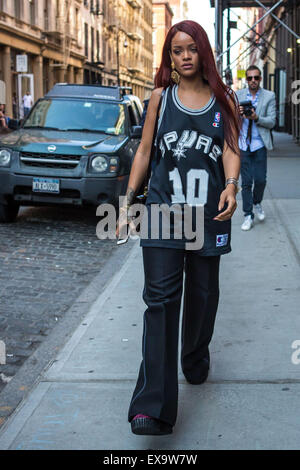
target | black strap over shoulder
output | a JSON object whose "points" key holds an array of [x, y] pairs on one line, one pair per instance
{"points": [[143, 191], [153, 148]]}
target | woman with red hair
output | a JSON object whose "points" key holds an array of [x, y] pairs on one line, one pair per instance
{"points": [[197, 165]]}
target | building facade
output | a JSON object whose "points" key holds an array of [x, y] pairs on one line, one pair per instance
{"points": [[92, 40], [128, 45], [162, 22], [180, 10], [281, 55], [43, 42], [40, 44], [276, 51]]}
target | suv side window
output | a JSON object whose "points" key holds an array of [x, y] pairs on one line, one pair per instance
{"points": [[137, 111], [133, 117]]}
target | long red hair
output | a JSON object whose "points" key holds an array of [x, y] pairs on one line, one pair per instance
{"points": [[223, 93]]}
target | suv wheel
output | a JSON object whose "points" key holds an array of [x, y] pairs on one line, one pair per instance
{"points": [[9, 212]]}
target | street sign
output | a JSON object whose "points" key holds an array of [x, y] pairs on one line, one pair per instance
{"points": [[22, 63], [241, 73], [2, 93]]}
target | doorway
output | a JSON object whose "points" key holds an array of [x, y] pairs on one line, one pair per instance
{"points": [[25, 83]]}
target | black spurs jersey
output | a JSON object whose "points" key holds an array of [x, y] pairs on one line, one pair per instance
{"points": [[188, 169]]}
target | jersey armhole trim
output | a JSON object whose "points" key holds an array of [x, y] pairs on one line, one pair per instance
{"points": [[162, 110]]}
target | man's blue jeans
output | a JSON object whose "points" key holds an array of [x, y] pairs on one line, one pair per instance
{"points": [[253, 170]]}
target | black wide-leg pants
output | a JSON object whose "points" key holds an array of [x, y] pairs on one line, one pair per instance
{"points": [[156, 391]]}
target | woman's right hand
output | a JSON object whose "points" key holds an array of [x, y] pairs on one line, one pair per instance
{"points": [[122, 223]]}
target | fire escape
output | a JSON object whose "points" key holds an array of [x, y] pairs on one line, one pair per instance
{"points": [[285, 71], [270, 7]]}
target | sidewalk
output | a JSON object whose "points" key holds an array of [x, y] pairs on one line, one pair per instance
{"points": [[251, 398]]}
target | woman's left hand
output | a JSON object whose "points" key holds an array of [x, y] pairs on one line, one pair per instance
{"points": [[229, 196]]}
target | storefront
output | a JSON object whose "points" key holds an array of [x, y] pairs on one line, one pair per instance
{"points": [[28, 65]]}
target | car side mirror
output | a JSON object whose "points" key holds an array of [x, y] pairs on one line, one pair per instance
{"points": [[136, 132], [14, 124]]}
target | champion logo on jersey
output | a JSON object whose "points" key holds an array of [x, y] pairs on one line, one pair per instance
{"points": [[217, 119], [222, 239]]}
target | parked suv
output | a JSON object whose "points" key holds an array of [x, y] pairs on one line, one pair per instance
{"points": [[75, 147]]}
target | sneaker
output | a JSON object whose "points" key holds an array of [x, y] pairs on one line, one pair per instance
{"points": [[259, 212], [248, 223]]}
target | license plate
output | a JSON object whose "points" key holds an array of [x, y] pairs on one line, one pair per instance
{"points": [[45, 185]]}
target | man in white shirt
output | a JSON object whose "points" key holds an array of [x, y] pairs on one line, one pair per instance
{"points": [[27, 103]]}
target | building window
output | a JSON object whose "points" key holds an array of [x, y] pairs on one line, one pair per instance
{"points": [[104, 46], [92, 44], [32, 11], [86, 39], [46, 15], [98, 46], [77, 23], [18, 7]]}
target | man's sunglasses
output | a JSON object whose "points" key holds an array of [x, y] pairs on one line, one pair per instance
{"points": [[256, 77]]}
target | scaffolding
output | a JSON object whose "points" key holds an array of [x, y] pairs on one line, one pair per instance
{"points": [[286, 66], [221, 5]]}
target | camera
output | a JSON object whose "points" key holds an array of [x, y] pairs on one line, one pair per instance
{"points": [[248, 107]]}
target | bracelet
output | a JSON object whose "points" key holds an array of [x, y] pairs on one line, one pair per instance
{"points": [[232, 180], [235, 182], [125, 208]]}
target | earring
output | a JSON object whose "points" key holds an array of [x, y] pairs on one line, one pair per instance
{"points": [[175, 76]]}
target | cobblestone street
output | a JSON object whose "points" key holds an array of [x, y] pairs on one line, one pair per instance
{"points": [[47, 258]]}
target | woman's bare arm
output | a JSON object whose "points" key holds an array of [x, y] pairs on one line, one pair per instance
{"points": [[232, 166]]}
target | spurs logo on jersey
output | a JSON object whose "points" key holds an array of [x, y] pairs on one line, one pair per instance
{"points": [[188, 140]]}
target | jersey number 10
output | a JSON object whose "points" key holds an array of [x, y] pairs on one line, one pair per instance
{"points": [[197, 185]]}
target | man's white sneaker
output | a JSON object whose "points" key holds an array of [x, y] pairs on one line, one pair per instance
{"points": [[259, 212], [248, 223]]}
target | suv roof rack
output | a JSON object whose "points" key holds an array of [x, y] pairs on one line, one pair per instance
{"points": [[88, 91], [123, 90]]}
